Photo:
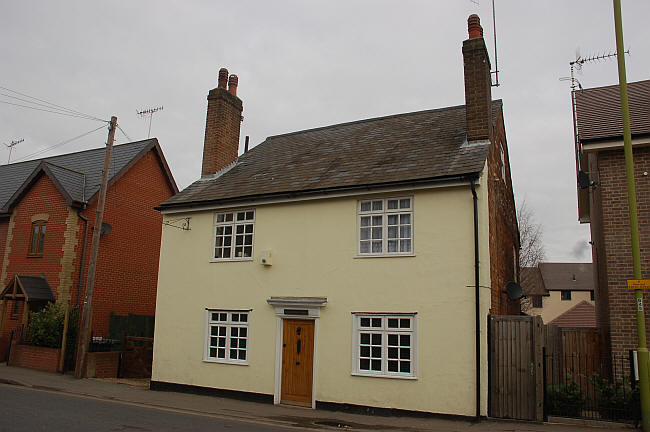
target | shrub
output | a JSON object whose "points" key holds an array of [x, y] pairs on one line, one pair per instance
{"points": [[565, 399], [617, 400], [46, 326]]}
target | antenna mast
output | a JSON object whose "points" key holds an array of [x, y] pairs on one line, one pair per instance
{"points": [[149, 112], [496, 60], [11, 148]]}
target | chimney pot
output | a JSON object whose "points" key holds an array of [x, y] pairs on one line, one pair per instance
{"points": [[474, 27], [232, 84], [223, 77]]}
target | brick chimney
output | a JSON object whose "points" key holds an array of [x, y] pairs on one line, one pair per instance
{"points": [[222, 125], [478, 83]]}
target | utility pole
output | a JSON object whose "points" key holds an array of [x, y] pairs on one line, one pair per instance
{"points": [[642, 350], [11, 148], [84, 329], [149, 111]]}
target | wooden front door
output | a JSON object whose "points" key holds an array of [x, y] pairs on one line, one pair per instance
{"points": [[297, 361]]}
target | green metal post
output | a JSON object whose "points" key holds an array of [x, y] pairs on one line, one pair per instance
{"points": [[642, 350]]}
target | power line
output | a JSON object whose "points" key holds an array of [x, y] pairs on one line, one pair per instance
{"points": [[124, 133], [59, 144], [53, 105], [53, 112]]}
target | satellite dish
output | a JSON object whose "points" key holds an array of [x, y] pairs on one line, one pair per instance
{"points": [[106, 228], [514, 291], [583, 180]]}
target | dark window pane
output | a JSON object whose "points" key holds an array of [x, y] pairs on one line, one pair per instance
{"points": [[405, 353], [222, 331], [226, 252], [405, 323], [365, 351], [222, 342], [364, 247], [376, 247], [228, 217], [249, 215], [227, 241], [392, 366], [213, 352], [405, 340], [365, 338], [376, 352], [376, 365], [405, 367], [392, 204], [376, 339], [233, 343], [242, 343], [249, 229], [376, 322], [234, 331], [377, 205], [220, 231], [365, 322], [248, 251], [392, 353], [404, 203], [392, 322], [221, 353], [220, 217], [233, 354], [241, 216], [223, 317], [242, 355], [243, 331], [214, 330], [227, 230], [213, 341], [364, 364], [41, 240], [239, 229], [217, 253]]}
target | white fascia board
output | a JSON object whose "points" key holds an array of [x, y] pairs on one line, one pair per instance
{"points": [[614, 144]]}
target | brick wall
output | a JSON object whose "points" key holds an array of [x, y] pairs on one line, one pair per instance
{"points": [[612, 244], [11, 322], [504, 236], [34, 357], [127, 266], [102, 364]]}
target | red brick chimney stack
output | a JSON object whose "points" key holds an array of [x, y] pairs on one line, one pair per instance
{"points": [[232, 84], [478, 83], [222, 125]]}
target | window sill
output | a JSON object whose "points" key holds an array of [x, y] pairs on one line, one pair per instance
{"points": [[219, 260], [237, 363], [385, 256], [408, 377], [34, 256]]}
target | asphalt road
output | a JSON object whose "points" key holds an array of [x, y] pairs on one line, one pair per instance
{"points": [[25, 409]]}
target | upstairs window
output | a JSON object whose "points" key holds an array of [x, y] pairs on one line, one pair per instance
{"points": [[234, 235], [386, 226], [566, 294], [37, 238], [537, 301]]}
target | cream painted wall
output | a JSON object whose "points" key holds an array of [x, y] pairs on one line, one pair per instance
{"points": [[553, 306], [314, 245]]}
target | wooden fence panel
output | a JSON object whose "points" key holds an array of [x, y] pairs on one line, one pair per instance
{"points": [[516, 367]]}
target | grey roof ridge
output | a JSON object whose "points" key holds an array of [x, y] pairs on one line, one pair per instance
{"points": [[62, 167], [590, 89], [368, 120]]}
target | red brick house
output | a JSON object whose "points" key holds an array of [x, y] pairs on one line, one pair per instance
{"points": [[599, 154], [47, 211]]}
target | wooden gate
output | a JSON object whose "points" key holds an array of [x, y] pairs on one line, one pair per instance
{"points": [[515, 367], [137, 356]]}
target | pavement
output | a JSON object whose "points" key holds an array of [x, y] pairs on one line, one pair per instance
{"points": [[136, 392]]}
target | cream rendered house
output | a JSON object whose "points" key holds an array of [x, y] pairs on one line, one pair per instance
{"points": [[349, 264]]}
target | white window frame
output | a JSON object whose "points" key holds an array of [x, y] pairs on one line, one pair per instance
{"points": [[233, 224], [385, 331], [228, 324], [385, 212]]}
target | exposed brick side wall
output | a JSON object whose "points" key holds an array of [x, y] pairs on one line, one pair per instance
{"points": [[4, 230], [33, 357], [127, 266], [504, 235], [613, 246], [102, 364], [222, 127], [7, 249]]}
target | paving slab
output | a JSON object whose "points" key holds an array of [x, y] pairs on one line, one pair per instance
{"points": [[137, 392]]}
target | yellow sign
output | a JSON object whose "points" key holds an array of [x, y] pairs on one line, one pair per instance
{"points": [[638, 284]]}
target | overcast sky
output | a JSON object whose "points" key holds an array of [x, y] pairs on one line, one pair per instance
{"points": [[304, 64]]}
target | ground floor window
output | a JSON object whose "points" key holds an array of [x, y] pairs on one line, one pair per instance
{"points": [[227, 336], [384, 344]]}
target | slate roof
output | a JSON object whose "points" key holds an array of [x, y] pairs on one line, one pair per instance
{"points": [[581, 315], [78, 175], [567, 276], [418, 146], [598, 111]]}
